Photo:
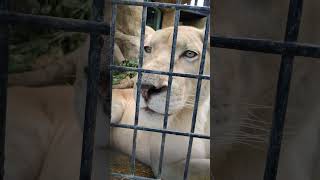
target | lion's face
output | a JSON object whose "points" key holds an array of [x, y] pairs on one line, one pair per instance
{"points": [[187, 60]]}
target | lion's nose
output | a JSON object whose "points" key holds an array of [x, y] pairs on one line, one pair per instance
{"points": [[147, 90]]}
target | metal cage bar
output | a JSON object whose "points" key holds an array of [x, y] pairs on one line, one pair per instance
{"points": [[96, 43], [171, 66], [292, 32], [186, 75], [197, 98], [141, 128], [66, 24], [238, 43], [4, 58], [113, 31], [136, 118], [266, 46], [203, 10]]}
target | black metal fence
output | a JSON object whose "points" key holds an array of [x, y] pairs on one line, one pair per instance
{"points": [[288, 49]]}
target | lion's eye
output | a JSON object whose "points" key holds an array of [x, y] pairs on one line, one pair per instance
{"points": [[147, 49], [190, 54]]}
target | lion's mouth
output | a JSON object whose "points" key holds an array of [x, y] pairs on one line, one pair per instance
{"points": [[149, 110]]}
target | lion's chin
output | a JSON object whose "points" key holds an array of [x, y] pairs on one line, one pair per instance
{"points": [[156, 105], [154, 111]]}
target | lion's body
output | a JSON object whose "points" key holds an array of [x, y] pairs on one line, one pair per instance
{"points": [[43, 137], [148, 143]]}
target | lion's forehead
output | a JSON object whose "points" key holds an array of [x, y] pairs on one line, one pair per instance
{"points": [[187, 38]]}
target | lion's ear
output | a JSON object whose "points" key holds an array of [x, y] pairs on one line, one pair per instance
{"points": [[202, 29], [149, 31], [202, 33]]}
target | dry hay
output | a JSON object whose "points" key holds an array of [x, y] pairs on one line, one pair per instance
{"points": [[120, 163]]}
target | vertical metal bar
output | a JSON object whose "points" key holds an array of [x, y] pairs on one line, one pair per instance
{"points": [[107, 77], [206, 3], [292, 31], [165, 121], [96, 43], [4, 58], [136, 118], [113, 30], [197, 98]]}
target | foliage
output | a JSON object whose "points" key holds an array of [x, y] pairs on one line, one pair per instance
{"points": [[28, 43], [118, 76]]}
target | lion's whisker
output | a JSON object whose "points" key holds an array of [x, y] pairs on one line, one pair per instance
{"points": [[257, 105], [255, 120]]}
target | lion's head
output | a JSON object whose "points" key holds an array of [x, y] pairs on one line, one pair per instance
{"points": [[154, 87], [157, 55]]}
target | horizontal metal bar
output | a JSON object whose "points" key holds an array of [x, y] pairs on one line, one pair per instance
{"points": [[238, 43], [66, 24], [202, 10], [127, 176], [194, 76], [266, 46], [141, 128]]}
